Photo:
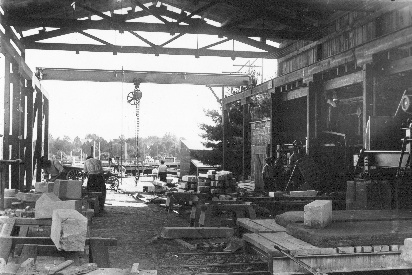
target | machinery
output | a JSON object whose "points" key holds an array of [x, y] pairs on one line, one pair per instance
{"points": [[134, 98]]}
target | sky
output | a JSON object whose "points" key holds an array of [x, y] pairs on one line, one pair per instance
{"points": [[80, 108]]}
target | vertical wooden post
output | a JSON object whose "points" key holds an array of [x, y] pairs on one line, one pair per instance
{"points": [[21, 137], [246, 139], [224, 122], [276, 120], [46, 126], [15, 113], [28, 160], [6, 148], [367, 101], [313, 111], [37, 150]]}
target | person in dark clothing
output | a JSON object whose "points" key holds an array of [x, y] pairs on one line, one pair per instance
{"points": [[268, 174], [95, 181], [162, 171]]}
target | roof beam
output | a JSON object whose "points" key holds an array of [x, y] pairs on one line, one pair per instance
{"points": [[64, 74], [198, 11], [152, 12], [145, 50], [151, 27]]}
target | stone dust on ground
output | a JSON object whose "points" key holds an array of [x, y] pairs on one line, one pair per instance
{"points": [[137, 230]]}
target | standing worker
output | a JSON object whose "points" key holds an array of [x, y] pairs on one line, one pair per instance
{"points": [[52, 168], [162, 170], [95, 180], [268, 173]]}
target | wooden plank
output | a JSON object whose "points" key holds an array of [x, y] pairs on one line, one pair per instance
{"points": [[298, 93], [343, 81], [7, 227], [48, 240], [29, 251], [287, 242], [5, 248], [99, 253], [23, 230], [271, 224], [252, 226], [196, 232], [185, 244], [261, 243], [347, 263]]}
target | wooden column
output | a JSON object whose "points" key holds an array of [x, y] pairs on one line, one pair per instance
{"points": [[276, 120], [367, 101], [14, 137], [21, 137], [6, 148], [28, 159], [37, 150], [225, 122], [313, 112], [246, 139], [46, 126]]}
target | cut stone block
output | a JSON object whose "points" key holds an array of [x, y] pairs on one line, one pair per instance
{"points": [[406, 251], [10, 192], [49, 202], [318, 214], [68, 230], [68, 189], [44, 187], [8, 201], [28, 197]]}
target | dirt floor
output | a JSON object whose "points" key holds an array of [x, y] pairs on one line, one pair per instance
{"points": [[137, 225]]}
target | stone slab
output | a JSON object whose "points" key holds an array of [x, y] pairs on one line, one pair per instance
{"points": [[28, 197], [68, 230], [10, 192], [264, 225], [348, 216], [196, 232], [68, 189], [44, 187], [362, 233], [49, 202]]}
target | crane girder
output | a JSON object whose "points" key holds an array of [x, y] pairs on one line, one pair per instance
{"points": [[126, 76]]}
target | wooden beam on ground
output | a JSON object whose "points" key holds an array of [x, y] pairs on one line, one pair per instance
{"points": [[235, 80], [196, 232], [48, 240], [143, 50]]}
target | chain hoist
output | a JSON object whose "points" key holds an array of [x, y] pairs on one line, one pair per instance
{"points": [[133, 98]]}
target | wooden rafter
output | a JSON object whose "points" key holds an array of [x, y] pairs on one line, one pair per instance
{"points": [[146, 50], [202, 28], [215, 44], [198, 11], [151, 12], [96, 38], [172, 39]]}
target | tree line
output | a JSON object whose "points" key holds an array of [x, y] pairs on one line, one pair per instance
{"points": [[152, 146]]}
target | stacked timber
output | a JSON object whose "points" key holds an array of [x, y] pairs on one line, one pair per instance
{"points": [[188, 182]]}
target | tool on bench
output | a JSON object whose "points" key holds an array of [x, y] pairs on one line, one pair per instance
{"points": [[299, 262]]}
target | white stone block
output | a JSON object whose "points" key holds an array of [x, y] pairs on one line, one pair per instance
{"points": [[318, 214], [68, 189], [8, 201], [49, 202], [10, 192], [28, 197], [68, 230], [44, 187], [406, 250]]}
